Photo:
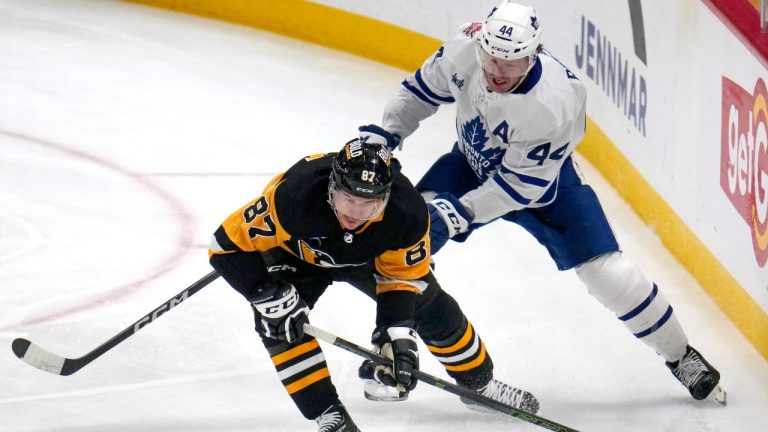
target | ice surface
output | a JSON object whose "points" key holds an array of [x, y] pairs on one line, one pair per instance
{"points": [[128, 133]]}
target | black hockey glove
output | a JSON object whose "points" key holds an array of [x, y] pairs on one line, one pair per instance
{"points": [[447, 218], [399, 345], [372, 134], [283, 312]]}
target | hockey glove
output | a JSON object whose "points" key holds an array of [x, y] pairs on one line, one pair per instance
{"points": [[283, 312], [447, 218], [399, 345], [372, 134]]}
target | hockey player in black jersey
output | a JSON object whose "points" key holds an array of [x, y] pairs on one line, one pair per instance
{"points": [[350, 217]]}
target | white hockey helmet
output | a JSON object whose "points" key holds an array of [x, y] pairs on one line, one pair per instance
{"points": [[511, 31]]}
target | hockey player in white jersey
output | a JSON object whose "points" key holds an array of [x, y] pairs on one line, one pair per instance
{"points": [[520, 115]]}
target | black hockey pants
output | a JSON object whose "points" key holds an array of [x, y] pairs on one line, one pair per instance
{"points": [[439, 320]]}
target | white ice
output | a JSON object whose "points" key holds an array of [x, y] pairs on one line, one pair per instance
{"points": [[127, 134]]}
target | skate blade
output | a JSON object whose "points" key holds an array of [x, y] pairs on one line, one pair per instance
{"points": [[718, 395], [379, 398], [381, 393]]}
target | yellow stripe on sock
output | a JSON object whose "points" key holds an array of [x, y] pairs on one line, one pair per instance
{"points": [[455, 347], [295, 352], [471, 365], [307, 380]]}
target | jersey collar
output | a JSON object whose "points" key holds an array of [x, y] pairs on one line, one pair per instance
{"points": [[531, 79]]}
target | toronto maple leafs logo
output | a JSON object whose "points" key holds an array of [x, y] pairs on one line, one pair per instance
{"points": [[483, 156]]}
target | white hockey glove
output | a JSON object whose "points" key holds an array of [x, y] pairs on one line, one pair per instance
{"points": [[283, 312], [372, 134], [447, 218]]}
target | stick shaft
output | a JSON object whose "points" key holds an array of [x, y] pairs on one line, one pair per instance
{"points": [[437, 382], [50, 362]]}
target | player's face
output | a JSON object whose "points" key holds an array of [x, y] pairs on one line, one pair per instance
{"points": [[353, 211], [503, 75]]}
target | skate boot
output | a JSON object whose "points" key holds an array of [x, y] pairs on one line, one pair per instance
{"points": [[505, 394], [696, 374], [336, 419]]}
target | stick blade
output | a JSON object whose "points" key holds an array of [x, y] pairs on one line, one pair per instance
{"points": [[37, 357], [20, 347]]}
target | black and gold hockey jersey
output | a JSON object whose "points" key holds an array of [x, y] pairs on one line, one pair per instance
{"points": [[293, 214], [292, 225]]}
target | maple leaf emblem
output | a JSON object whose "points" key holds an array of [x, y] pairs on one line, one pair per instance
{"points": [[482, 155], [474, 133]]}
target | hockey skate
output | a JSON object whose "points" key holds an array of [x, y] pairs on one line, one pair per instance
{"points": [[336, 419], [698, 376], [505, 394], [376, 391]]}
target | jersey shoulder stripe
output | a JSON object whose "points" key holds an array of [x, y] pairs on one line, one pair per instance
{"points": [[425, 88], [416, 92]]}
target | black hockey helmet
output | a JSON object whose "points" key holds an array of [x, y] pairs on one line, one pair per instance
{"points": [[363, 169]]}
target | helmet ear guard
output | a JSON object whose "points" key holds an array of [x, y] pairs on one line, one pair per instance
{"points": [[511, 31]]}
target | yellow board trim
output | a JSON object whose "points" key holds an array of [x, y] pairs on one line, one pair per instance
{"points": [[316, 23], [406, 49], [682, 243]]}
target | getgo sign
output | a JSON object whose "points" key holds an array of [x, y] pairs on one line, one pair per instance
{"points": [[744, 158]]}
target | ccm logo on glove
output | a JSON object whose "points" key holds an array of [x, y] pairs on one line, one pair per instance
{"points": [[283, 312], [279, 305], [455, 223]]}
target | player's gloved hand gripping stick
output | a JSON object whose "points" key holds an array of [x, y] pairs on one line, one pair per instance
{"points": [[437, 382]]}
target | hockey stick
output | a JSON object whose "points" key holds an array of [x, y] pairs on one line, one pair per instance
{"points": [[437, 382], [38, 357]]}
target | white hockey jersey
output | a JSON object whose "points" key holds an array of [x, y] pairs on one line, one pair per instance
{"points": [[516, 142]]}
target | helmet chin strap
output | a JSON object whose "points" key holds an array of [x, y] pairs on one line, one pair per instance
{"points": [[336, 212], [331, 187], [520, 81], [338, 218]]}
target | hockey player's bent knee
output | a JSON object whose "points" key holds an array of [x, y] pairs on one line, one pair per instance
{"points": [[622, 288], [614, 281]]}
